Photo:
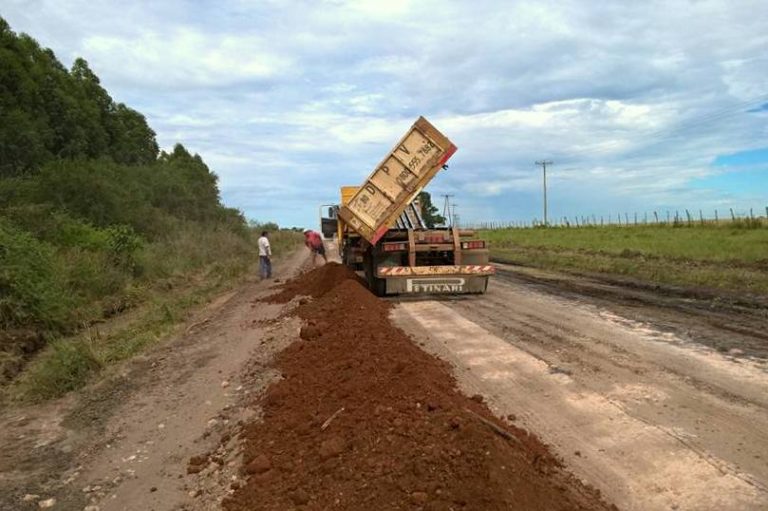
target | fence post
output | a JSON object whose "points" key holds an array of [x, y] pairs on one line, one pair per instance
{"points": [[687, 214], [701, 217], [733, 217], [717, 219], [656, 215], [751, 215]]}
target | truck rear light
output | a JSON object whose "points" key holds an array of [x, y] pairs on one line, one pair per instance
{"points": [[394, 247], [469, 245]]}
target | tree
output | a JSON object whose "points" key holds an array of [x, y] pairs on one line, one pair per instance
{"points": [[133, 141], [429, 212], [48, 112]]}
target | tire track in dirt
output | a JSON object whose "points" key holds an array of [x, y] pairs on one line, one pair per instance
{"points": [[700, 312], [712, 405]]}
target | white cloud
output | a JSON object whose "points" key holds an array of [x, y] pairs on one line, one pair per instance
{"points": [[633, 100], [186, 58]]}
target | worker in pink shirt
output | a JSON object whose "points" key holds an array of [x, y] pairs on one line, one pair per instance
{"points": [[314, 243]]}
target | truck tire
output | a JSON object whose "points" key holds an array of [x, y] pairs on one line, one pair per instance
{"points": [[379, 287], [376, 285]]}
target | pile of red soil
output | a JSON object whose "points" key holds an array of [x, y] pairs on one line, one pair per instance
{"points": [[314, 283], [365, 420]]}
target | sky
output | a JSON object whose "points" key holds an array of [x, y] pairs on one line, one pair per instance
{"points": [[642, 106]]}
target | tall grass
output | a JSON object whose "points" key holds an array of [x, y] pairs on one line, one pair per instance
{"points": [[704, 243], [166, 278], [728, 256]]}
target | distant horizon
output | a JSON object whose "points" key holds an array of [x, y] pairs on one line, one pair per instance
{"points": [[640, 107]]}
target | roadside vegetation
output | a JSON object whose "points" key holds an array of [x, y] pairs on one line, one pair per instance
{"points": [[731, 256], [96, 222]]}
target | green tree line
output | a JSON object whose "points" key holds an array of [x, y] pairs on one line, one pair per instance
{"points": [[48, 112], [92, 213]]}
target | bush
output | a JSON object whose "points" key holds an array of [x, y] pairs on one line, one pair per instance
{"points": [[32, 286], [123, 244], [57, 227], [91, 277]]}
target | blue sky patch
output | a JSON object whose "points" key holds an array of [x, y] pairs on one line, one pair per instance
{"points": [[736, 181], [751, 157]]}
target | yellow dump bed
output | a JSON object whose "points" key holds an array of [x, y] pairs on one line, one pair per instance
{"points": [[375, 206]]}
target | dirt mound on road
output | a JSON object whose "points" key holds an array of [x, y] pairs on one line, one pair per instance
{"points": [[314, 283], [364, 419]]}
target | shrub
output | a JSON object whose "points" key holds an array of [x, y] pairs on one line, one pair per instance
{"points": [[32, 285], [57, 227], [123, 244]]}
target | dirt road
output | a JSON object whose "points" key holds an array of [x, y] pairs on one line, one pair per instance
{"points": [[657, 400], [653, 399], [188, 426], [124, 444]]}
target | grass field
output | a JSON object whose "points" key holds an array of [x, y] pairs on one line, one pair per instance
{"points": [[725, 257]]}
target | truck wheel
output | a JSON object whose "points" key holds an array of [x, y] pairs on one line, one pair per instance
{"points": [[379, 287], [376, 285]]}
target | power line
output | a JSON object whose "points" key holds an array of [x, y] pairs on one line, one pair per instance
{"points": [[447, 208], [544, 164], [454, 215]]}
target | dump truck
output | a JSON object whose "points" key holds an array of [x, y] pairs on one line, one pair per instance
{"points": [[381, 232]]}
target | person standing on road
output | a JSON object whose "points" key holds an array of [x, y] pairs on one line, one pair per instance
{"points": [[314, 243], [265, 256]]}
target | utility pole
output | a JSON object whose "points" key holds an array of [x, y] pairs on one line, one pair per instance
{"points": [[447, 209], [454, 216], [544, 164]]}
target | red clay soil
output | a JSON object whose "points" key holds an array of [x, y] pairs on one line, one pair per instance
{"points": [[365, 420], [314, 283]]}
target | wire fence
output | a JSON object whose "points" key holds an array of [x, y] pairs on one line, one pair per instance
{"points": [[673, 218]]}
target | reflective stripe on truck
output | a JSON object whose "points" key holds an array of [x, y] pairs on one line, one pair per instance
{"points": [[425, 271]]}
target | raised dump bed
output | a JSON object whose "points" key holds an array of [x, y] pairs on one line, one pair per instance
{"points": [[381, 230], [405, 171]]}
